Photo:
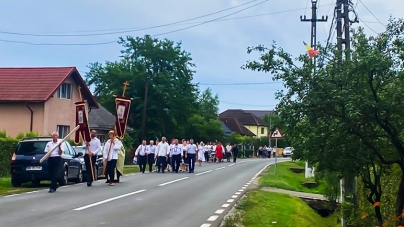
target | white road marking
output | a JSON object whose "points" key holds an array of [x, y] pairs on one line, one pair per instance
{"points": [[225, 205], [219, 211], [234, 196], [109, 200], [241, 190], [203, 172], [230, 201], [243, 187], [237, 193], [11, 195], [205, 225], [213, 218], [221, 168], [170, 182], [231, 165]]}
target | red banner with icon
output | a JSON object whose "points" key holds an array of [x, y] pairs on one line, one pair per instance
{"points": [[121, 115], [83, 133]]}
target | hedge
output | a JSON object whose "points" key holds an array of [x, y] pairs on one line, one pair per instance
{"points": [[7, 148]]}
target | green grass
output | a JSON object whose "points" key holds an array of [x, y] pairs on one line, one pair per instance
{"points": [[262, 208], [7, 189], [131, 169], [284, 178]]}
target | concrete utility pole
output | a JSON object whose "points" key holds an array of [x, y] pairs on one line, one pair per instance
{"points": [[313, 20], [344, 39]]}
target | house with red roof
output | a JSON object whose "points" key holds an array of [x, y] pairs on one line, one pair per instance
{"points": [[41, 100]]}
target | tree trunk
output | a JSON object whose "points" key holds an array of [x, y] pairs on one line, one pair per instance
{"points": [[379, 216], [399, 205]]}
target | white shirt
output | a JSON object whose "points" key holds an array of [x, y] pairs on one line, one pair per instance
{"points": [[228, 148], [49, 146], [176, 149], [151, 149], [274, 150], [113, 154], [191, 148], [141, 150], [95, 146], [162, 149]]}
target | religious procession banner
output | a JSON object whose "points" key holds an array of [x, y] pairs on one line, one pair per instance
{"points": [[83, 133], [122, 114]]}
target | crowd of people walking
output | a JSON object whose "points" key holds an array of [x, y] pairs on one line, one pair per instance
{"points": [[180, 157]]}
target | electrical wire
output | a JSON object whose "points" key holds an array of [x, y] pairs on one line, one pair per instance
{"points": [[110, 42], [368, 26], [129, 29], [371, 13], [241, 84], [241, 104]]}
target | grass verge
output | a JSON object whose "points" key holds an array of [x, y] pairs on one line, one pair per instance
{"points": [[282, 177], [7, 189], [131, 169], [262, 208]]}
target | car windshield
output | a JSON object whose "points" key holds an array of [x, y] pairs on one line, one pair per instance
{"points": [[79, 149], [31, 147]]}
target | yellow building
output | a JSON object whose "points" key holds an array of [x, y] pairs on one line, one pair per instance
{"points": [[250, 121]]}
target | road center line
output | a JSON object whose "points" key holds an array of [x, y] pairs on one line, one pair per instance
{"points": [[109, 200], [221, 168], [173, 181], [231, 165], [203, 172]]}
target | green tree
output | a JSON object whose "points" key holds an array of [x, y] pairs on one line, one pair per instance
{"points": [[347, 119], [208, 104], [160, 75]]}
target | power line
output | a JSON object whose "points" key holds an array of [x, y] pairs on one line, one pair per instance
{"points": [[131, 29], [240, 84], [126, 30], [104, 43], [371, 13], [241, 104]]}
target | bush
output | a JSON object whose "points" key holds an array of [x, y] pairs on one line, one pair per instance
{"points": [[7, 148], [246, 153]]}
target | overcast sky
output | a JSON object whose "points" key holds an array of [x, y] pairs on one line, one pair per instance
{"points": [[218, 47]]}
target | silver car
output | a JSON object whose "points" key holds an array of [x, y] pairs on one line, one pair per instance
{"points": [[287, 152]]}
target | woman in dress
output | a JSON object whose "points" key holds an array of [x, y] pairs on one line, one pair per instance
{"points": [[219, 152], [201, 153]]}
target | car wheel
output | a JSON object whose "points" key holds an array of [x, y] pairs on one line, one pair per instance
{"points": [[15, 183], [96, 173], [65, 178], [79, 178]]}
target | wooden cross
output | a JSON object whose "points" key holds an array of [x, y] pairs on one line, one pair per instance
{"points": [[81, 98], [124, 88]]}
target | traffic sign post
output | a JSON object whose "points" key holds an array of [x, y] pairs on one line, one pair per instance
{"points": [[276, 135]]}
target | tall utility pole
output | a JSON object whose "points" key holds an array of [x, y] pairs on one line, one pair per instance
{"points": [[343, 8], [313, 20]]}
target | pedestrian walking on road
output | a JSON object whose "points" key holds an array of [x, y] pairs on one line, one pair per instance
{"points": [[92, 149], [150, 155], [176, 154], [162, 151], [228, 152], [184, 163], [191, 155], [234, 150], [54, 161], [201, 153], [141, 154], [219, 152], [110, 153]]}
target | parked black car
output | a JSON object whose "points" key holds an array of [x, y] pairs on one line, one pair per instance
{"points": [[98, 163], [25, 164]]}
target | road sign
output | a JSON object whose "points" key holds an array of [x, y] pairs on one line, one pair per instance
{"points": [[276, 134]]}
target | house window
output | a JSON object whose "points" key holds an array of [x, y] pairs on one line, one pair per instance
{"points": [[262, 130], [65, 91], [63, 130]]}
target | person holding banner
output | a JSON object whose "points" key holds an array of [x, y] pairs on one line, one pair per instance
{"points": [[54, 161], [110, 155], [92, 149]]}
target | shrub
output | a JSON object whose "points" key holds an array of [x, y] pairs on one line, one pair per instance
{"points": [[7, 148]]}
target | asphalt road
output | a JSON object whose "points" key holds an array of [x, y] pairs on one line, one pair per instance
{"points": [[140, 200]]}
